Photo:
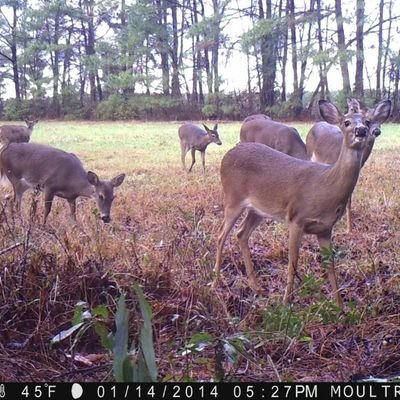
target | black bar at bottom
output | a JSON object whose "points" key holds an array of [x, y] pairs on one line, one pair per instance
{"points": [[198, 391]]}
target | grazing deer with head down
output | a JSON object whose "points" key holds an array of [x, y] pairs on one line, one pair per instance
{"points": [[194, 138], [275, 135], [17, 133], [310, 197], [57, 173], [324, 141]]}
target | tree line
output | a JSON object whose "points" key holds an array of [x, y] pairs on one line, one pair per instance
{"points": [[124, 59]]}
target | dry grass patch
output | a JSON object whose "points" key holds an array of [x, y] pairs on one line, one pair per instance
{"points": [[163, 237]]}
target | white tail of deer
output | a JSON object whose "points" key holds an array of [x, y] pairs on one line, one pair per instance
{"points": [[57, 173], [310, 197], [275, 135], [324, 141], [194, 138], [17, 133]]}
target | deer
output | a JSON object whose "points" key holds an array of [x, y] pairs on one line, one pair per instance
{"points": [[56, 173], [193, 138], [309, 197], [324, 140], [256, 116], [274, 134], [17, 133]]}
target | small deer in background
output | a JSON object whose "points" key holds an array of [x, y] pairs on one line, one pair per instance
{"points": [[324, 140], [194, 138], [57, 173], [273, 134], [17, 133], [310, 197]]}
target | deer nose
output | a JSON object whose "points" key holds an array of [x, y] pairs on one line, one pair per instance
{"points": [[361, 131], [376, 132], [106, 218]]}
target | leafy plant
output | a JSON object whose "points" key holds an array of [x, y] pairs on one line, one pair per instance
{"points": [[280, 318], [83, 320], [137, 365], [226, 351]]}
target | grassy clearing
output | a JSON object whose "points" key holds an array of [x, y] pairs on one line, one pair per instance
{"points": [[162, 237]]}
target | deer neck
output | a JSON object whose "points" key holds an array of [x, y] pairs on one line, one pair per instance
{"points": [[367, 151], [88, 190], [343, 175]]}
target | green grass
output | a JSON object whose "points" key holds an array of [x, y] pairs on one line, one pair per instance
{"points": [[153, 145]]}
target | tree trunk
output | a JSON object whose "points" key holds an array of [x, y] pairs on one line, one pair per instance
{"points": [[284, 53], [343, 60], [291, 16], [206, 64], [14, 56], [163, 49], [323, 73], [268, 58], [359, 78], [387, 48], [380, 51], [175, 86]]}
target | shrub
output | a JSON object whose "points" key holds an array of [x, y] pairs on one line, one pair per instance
{"points": [[16, 110], [71, 106]]}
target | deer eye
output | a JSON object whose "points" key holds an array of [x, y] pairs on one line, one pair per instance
{"points": [[347, 123], [101, 196]]}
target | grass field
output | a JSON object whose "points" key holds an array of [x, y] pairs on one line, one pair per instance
{"points": [[163, 237]]}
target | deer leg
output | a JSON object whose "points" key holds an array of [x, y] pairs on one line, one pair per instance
{"points": [[184, 150], [231, 215], [48, 201], [19, 189], [295, 236], [246, 228], [328, 265], [203, 160], [193, 151], [348, 215]]}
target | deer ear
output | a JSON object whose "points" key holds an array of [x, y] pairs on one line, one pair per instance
{"points": [[329, 112], [93, 178], [354, 105], [117, 180], [382, 111], [206, 127], [215, 127]]}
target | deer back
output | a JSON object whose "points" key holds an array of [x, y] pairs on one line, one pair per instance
{"points": [[256, 116], [275, 135], [46, 166], [324, 142]]}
